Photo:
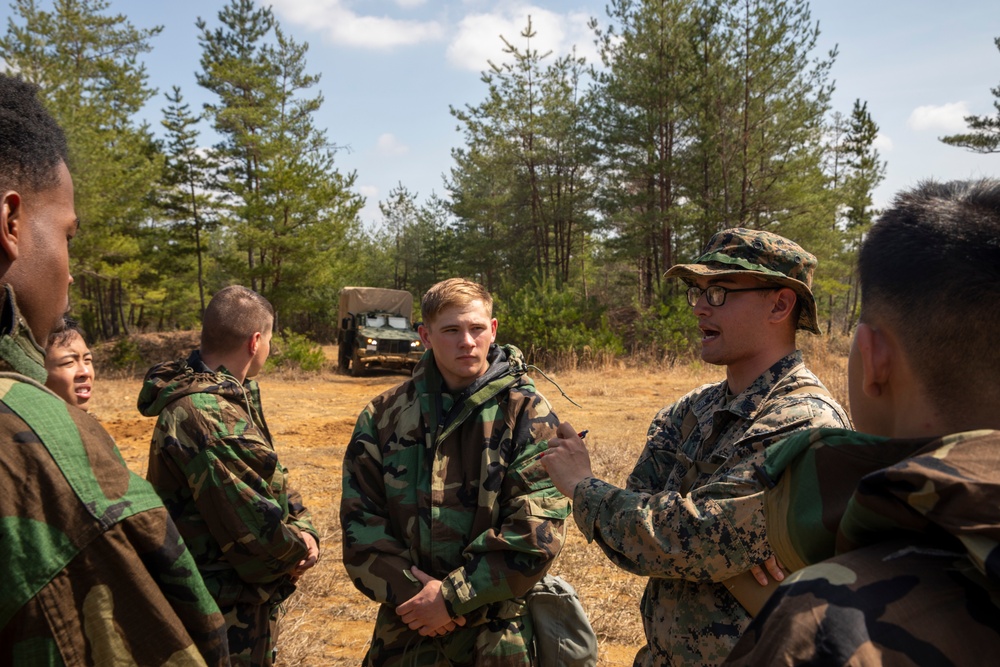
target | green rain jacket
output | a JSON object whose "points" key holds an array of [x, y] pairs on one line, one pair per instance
{"points": [[896, 547], [92, 569], [454, 485], [212, 462]]}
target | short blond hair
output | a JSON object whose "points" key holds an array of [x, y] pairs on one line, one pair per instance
{"points": [[233, 315], [453, 292]]}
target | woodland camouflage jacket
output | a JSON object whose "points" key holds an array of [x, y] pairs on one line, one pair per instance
{"points": [[93, 570], [454, 486], [900, 545], [213, 464], [688, 544]]}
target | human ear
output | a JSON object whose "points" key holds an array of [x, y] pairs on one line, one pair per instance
{"points": [[424, 332], [254, 343], [493, 330], [784, 305], [875, 354], [11, 208]]}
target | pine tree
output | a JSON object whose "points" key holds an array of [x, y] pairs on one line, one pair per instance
{"points": [[984, 131], [87, 65]]}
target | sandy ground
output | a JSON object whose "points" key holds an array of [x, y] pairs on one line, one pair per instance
{"points": [[328, 622]]}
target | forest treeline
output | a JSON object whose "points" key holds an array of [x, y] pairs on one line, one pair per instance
{"points": [[576, 184]]}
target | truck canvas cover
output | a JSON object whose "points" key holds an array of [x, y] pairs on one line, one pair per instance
{"points": [[368, 299]]}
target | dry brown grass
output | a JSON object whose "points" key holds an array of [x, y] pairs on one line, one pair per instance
{"points": [[328, 622]]}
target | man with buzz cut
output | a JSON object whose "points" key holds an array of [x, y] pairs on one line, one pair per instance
{"points": [[904, 567], [213, 462], [92, 568], [691, 515], [448, 517]]}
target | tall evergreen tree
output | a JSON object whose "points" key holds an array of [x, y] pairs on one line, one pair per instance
{"points": [[87, 63], [984, 131], [288, 201]]}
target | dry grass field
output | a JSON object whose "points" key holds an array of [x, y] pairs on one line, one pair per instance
{"points": [[328, 623]]}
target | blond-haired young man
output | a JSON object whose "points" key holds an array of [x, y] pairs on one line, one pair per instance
{"points": [[448, 516]]}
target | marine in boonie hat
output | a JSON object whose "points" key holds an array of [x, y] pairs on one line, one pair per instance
{"points": [[763, 254]]}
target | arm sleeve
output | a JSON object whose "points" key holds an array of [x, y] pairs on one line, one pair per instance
{"points": [[244, 511], [377, 562], [506, 561], [711, 534]]}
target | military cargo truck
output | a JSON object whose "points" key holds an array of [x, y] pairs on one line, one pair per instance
{"points": [[375, 330]]}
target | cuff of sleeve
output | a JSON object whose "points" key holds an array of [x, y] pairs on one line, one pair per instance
{"points": [[458, 593], [588, 496]]}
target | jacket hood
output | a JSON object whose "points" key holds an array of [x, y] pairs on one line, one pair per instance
{"points": [[171, 380], [506, 369], [945, 491]]}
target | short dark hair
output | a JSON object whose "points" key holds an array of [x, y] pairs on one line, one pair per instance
{"points": [[233, 315], [31, 142], [931, 266], [61, 336]]}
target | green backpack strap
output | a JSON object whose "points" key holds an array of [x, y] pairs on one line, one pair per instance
{"points": [[50, 550]]}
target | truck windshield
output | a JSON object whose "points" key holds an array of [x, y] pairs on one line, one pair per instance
{"points": [[398, 323]]}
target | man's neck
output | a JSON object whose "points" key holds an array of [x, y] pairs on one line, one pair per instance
{"points": [[232, 365], [739, 376]]}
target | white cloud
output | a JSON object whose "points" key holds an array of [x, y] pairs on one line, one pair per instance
{"points": [[882, 143], [478, 35], [388, 144], [945, 118], [410, 4], [343, 26]]}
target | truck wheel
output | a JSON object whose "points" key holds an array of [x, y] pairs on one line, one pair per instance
{"points": [[358, 367], [343, 360]]}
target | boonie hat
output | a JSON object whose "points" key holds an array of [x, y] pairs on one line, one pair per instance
{"points": [[763, 254]]}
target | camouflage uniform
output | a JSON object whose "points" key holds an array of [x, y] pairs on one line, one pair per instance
{"points": [[92, 568], [212, 462], [688, 544], [453, 485], [901, 568]]}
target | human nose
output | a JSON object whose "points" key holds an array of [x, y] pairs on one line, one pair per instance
{"points": [[84, 370]]}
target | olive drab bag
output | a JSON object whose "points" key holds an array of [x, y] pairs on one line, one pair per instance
{"points": [[563, 634]]}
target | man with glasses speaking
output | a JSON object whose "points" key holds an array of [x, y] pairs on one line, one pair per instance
{"points": [[691, 514]]}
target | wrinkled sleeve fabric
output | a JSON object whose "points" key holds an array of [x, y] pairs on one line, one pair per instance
{"points": [[243, 506], [506, 561], [377, 562], [711, 534]]}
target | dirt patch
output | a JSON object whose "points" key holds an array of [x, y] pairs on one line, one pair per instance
{"points": [[328, 622]]}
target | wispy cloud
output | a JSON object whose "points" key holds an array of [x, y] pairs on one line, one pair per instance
{"points": [[944, 118], [388, 144], [341, 25], [477, 39]]}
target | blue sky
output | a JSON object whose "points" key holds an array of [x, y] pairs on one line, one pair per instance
{"points": [[391, 68]]}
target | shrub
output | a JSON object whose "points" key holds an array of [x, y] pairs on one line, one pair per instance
{"points": [[294, 350]]}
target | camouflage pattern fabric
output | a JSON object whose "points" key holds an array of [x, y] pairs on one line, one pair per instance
{"points": [[687, 544], [93, 568], [453, 485], [212, 462], [901, 567]]}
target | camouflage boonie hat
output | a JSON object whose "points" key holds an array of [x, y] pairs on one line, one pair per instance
{"points": [[768, 256]]}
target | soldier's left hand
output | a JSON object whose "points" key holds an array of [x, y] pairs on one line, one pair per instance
{"points": [[312, 555], [773, 568]]}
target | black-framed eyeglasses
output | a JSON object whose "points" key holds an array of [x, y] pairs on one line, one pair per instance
{"points": [[716, 294]]}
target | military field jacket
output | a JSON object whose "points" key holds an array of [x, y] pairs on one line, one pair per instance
{"points": [[213, 463], [688, 544], [899, 541], [92, 569], [453, 485]]}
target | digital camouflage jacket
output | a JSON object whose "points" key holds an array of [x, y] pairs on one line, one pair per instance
{"points": [[93, 570], [212, 462], [453, 485], [900, 545], [688, 544]]}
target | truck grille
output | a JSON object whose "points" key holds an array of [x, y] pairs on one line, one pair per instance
{"points": [[394, 346]]}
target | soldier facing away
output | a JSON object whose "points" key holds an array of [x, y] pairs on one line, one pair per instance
{"points": [[751, 291], [904, 568], [448, 517], [213, 462], [93, 570]]}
